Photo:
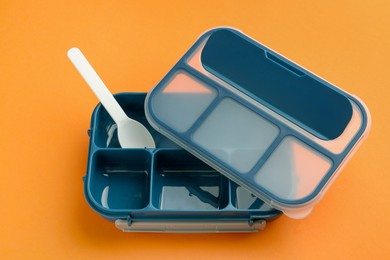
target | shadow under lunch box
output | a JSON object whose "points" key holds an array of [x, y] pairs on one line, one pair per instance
{"points": [[164, 189]]}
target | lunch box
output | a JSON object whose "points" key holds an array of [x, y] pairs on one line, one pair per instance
{"points": [[162, 189], [242, 134]]}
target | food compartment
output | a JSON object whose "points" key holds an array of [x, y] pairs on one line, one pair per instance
{"points": [[182, 182], [120, 179], [105, 129], [242, 199]]}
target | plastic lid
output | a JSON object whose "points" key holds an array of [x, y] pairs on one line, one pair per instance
{"points": [[263, 121]]}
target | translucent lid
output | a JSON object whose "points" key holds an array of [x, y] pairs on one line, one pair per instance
{"points": [[263, 121]]}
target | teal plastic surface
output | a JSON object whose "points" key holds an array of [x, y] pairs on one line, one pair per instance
{"points": [[165, 189], [266, 123], [283, 87]]}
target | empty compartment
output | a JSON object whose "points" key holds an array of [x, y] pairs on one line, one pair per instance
{"points": [[183, 182], [120, 179], [243, 199], [133, 105]]}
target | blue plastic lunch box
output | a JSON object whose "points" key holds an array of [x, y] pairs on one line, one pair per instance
{"points": [[236, 125], [165, 189]]}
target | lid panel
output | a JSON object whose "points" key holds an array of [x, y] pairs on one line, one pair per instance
{"points": [[226, 135], [181, 101], [293, 170]]}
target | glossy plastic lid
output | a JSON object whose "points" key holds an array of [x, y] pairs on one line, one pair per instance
{"points": [[266, 123]]}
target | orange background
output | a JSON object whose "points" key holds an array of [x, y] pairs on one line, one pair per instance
{"points": [[45, 111]]}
